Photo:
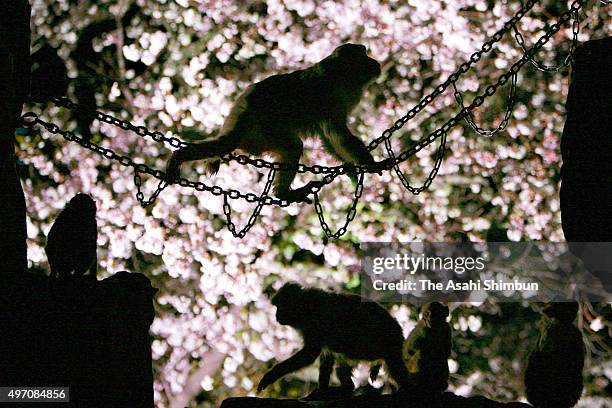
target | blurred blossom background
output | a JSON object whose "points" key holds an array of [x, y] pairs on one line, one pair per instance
{"points": [[178, 65]]}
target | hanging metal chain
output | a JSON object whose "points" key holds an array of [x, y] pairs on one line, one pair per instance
{"points": [[123, 124], [478, 101], [140, 195], [227, 209], [470, 119], [463, 68], [31, 119], [177, 143], [432, 174], [568, 59], [350, 215]]}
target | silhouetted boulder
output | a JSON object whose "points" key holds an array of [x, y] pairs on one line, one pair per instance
{"points": [[92, 336]]}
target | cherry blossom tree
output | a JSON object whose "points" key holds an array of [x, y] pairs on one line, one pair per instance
{"points": [[179, 65]]}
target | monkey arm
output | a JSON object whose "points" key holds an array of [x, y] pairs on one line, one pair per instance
{"points": [[346, 145], [302, 358], [325, 369]]}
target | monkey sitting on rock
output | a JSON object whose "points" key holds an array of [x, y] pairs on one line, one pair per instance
{"points": [[338, 323], [72, 241], [553, 377], [274, 115], [427, 350]]}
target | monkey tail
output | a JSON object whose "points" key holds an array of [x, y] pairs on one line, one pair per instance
{"points": [[210, 149]]}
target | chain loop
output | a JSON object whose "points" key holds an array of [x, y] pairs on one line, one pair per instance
{"points": [[568, 59], [227, 209], [478, 101], [470, 119], [350, 215]]}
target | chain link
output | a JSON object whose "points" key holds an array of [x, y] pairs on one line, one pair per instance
{"points": [[140, 195], [227, 209], [123, 124], [350, 215], [568, 59], [432, 174]]}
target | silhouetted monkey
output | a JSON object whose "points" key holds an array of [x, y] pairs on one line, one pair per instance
{"points": [[553, 377], [71, 243], [274, 115], [427, 350], [325, 392], [339, 323]]}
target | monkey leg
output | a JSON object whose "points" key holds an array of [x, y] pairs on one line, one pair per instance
{"points": [[348, 148], [374, 372], [398, 370], [325, 369], [345, 375], [290, 152], [330, 149]]}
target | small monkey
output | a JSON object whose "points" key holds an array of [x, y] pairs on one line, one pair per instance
{"points": [[274, 115], [72, 241], [427, 350], [553, 377], [339, 323]]}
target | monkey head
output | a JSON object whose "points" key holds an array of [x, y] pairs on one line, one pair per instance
{"points": [[434, 312], [288, 302], [84, 203], [564, 311], [351, 63]]}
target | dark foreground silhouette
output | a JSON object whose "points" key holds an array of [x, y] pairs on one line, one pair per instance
{"points": [[91, 336], [586, 147], [449, 400]]}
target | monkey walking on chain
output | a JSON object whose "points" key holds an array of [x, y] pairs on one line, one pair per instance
{"points": [[553, 377], [274, 115], [338, 323], [72, 241]]}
